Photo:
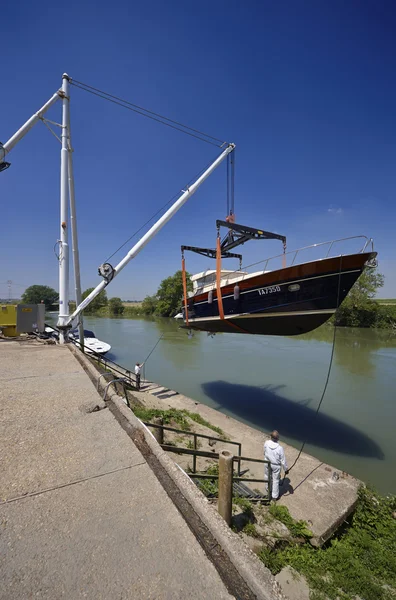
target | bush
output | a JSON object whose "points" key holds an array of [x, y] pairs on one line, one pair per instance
{"points": [[361, 561], [116, 307]]}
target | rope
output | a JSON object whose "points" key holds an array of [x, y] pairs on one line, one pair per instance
{"points": [[328, 373], [158, 341], [184, 288], [158, 211], [218, 277], [144, 112], [218, 289]]}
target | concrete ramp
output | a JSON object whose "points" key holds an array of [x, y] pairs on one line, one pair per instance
{"points": [[82, 514]]}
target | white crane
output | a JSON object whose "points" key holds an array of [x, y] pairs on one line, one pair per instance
{"points": [[65, 321]]}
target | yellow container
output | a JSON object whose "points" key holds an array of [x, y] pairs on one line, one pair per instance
{"points": [[8, 318]]}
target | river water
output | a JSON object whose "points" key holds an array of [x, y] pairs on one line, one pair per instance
{"points": [[276, 383]]}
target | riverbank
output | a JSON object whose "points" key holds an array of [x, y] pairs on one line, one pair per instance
{"points": [[277, 383], [352, 560], [311, 483]]}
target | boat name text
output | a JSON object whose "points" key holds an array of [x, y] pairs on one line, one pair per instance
{"points": [[269, 290]]}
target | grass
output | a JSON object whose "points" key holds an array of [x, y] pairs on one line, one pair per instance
{"points": [[210, 487], [179, 417], [171, 415], [361, 561], [190, 444], [244, 504], [198, 419], [386, 301], [250, 529], [297, 528]]}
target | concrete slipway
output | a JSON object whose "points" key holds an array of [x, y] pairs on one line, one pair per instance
{"points": [[91, 507]]}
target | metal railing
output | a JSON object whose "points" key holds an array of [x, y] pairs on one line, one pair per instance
{"points": [[107, 363], [194, 452], [238, 459], [367, 242], [195, 436], [119, 379]]}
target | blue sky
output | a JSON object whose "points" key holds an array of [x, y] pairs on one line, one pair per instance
{"points": [[305, 89]]}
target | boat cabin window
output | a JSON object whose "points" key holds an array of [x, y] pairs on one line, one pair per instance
{"points": [[89, 334], [211, 278]]}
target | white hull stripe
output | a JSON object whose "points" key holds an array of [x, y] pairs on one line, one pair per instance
{"points": [[327, 311], [280, 284]]}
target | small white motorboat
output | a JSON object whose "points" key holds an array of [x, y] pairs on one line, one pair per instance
{"points": [[91, 342], [179, 316]]}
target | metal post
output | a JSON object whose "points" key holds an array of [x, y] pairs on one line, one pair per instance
{"points": [[64, 247], [158, 432], [226, 461], [195, 456], [73, 223]]}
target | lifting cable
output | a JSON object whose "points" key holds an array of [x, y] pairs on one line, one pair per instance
{"points": [[144, 112], [231, 185], [170, 201], [328, 373]]}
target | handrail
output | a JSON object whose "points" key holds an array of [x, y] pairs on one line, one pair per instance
{"points": [[296, 252], [119, 369], [125, 392], [102, 375], [197, 435], [208, 437], [215, 455]]}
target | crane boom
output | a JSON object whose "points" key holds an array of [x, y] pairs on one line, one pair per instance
{"points": [[111, 273], [12, 142]]}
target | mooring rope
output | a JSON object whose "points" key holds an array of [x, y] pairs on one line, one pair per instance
{"points": [[328, 372]]}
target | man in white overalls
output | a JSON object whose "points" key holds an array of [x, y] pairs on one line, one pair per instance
{"points": [[274, 452]]}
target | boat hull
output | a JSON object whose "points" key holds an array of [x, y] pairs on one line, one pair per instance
{"points": [[289, 301]]}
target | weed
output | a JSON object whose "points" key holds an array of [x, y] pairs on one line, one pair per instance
{"points": [[179, 440], [190, 444], [244, 504], [250, 529], [180, 417], [172, 415], [361, 561], [198, 419], [210, 487], [296, 528]]}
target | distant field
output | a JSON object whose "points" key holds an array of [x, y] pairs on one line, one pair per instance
{"points": [[387, 301], [135, 304]]}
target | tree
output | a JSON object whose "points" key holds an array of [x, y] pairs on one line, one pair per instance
{"points": [[170, 294], [116, 307], [366, 287], [35, 294], [149, 305], [97, 303], [359, 308]]}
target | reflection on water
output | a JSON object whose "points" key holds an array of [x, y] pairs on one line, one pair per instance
{"points": [[354, 347], [277, 382]]}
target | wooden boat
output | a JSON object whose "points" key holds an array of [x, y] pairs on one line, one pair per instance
{"points": [[290, 300]]}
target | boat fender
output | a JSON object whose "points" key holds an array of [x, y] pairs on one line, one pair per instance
{"points": [[210, 297], [236, 292]]}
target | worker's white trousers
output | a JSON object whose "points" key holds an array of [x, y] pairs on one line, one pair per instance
{"points": [[276, 471]]}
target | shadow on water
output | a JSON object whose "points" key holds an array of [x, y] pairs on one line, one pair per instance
{"points": [[268, 409]]}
